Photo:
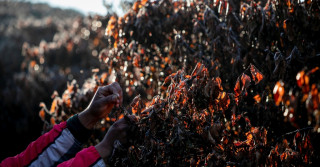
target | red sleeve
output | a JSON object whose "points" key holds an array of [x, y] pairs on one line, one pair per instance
{"points": [[60, 144], [86, 157], [35, 148]]}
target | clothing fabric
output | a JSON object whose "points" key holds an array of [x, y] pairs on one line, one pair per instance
{"points": [[59, 147]]}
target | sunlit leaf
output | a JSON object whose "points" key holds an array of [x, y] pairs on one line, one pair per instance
{"points": [[278, 92], [256, 74]]}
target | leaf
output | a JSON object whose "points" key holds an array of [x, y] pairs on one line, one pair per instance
{"points": [[42, 114], [302, 79], [284, 156], [52, 121], [249, 138], [242, 83], [135, 104], [245, 81], [278, 92], [53, 106], [257, 98], [256, 74], [237, 90], [136, 60], [224, 100], [198, 68]]}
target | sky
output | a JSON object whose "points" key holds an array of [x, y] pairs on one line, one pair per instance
{"points": [[84, 6]]}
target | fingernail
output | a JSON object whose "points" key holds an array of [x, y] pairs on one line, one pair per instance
{"points": [[117, 95], [114, 97]]}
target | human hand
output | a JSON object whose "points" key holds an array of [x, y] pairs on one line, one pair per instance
{"points": [[103, 101], [118, 131]]}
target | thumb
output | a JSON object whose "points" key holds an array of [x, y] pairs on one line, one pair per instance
{"points": [[114, 98]]}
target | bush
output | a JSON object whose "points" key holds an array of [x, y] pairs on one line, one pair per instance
{"points": [[211, 82]]}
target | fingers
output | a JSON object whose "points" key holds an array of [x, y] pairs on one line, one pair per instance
{"points": [[114, 98], [119, 130], [126, 120], [117, 91], [113, 88]]}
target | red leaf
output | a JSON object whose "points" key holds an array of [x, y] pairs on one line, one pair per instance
{"points": [[278, 92], [256, 74], [242, 84]]}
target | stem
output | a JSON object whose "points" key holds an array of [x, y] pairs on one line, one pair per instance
{"points": [[292, 132]]}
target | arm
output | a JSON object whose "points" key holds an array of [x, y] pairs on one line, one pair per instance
{"points": [[86, 157], [56, 145], [65, 139], [98, 155], [40, 147]]}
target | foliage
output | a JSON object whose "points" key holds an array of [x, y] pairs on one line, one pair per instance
{"points": [[216, 81]]}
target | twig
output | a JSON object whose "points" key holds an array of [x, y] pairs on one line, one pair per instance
{"points": [[298, 130], [124, 110]]}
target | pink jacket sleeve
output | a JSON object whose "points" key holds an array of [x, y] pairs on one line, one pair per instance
{"points": [[47, 149], [87, 157], [56, 146]]}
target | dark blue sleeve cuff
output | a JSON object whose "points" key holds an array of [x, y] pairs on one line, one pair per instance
{"points": [[81, 133]]}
